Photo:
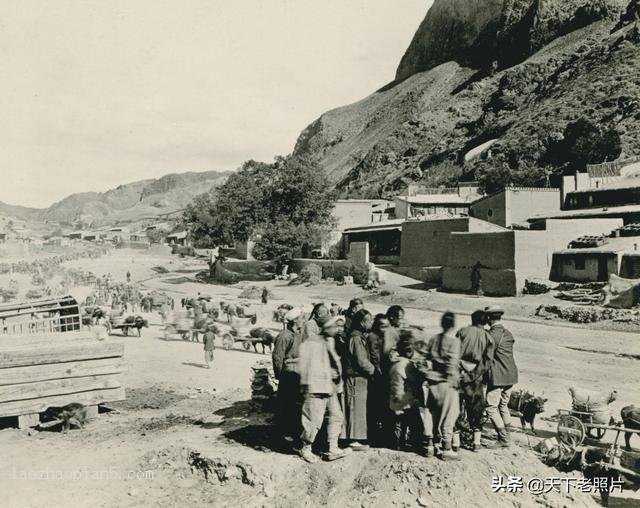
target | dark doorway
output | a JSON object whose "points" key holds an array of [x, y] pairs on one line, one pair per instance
{"points": [[603, 269]]}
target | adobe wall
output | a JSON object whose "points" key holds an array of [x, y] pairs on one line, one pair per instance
{"points": [[427, 242], [630, 266], [491, 209], [495, 282], [562, 231], [491, 249], [523, 203], [533, 252], [359, 253], [348, 214], [428, 274]]}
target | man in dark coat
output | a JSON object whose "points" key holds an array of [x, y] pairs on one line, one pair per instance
{"points": [[357, 370], [502, 375], [286, 351], [476, 353]]}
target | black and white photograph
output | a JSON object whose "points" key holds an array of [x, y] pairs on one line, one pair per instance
{"points": [[320, 253]]}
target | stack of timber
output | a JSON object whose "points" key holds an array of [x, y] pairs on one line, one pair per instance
{"points": [[38, 371]]}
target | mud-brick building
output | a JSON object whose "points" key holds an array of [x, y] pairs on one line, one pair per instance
{"points": [[514, 205], [505, 259], [384, 239], [425, 244], [615, 255]]}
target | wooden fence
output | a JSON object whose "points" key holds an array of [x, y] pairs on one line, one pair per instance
{"points": [[38, 371]]}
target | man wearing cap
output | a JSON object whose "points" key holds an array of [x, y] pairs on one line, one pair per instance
{"points": [[319, 315], [285, 358], [320, 380], [502, 375]]}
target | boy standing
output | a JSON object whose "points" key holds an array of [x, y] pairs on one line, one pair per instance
{"points": [[209, 341]]}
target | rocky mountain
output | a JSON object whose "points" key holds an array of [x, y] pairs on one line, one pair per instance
{"points": [[486, 91], [133, 201]]}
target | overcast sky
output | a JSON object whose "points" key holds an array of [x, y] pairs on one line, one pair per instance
{"points": [[96, 93]]}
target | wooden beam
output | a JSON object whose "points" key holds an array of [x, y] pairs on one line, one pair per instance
{"points": [[67, 352], [40, 389], [33, 373], [28, 420], [39, 405], [32, 339]]}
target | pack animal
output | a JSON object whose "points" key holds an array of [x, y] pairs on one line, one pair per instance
{"points": [[631, 418], [526, 405], [267, 339], [137, 322]]}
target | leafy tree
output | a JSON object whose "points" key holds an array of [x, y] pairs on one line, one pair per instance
{"points": [[283, 206], [156, 235], [583, 142]]}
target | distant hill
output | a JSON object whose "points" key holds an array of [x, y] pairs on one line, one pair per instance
{"points": [[129, 202], [18, 212]]}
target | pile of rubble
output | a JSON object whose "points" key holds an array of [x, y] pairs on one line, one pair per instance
{"points": [[263, 382]]}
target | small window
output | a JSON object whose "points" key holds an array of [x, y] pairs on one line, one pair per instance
{"points": [[489, 212], [579, 263]]}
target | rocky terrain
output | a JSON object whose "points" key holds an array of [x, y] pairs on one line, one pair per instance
{"points": [[485, 91], [133, 201]]}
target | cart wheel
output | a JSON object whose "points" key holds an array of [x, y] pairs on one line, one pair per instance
{"points": [[247, 344], [227, 341], [571, 431], [595, 433]]}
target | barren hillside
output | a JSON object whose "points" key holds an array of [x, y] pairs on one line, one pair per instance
{"points": [[129, 202], [513, 72]]}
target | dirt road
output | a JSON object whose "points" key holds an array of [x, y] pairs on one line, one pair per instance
{"points": [[175, 407]]}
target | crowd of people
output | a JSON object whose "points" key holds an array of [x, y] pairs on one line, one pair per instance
{"points": [[365, 380]]}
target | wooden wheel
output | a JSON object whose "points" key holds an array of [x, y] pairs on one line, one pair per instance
{"points": [[247, 344], [596, 433], [571, 431], [227, 341]]}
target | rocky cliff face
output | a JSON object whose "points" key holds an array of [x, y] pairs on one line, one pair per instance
{"points": [[481, 33], [557, 61]]}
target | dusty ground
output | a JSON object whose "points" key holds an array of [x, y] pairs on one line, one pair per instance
{"points": [[176, 408]]}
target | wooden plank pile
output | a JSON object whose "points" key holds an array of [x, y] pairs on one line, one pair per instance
{"points": [[38, 371]]}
